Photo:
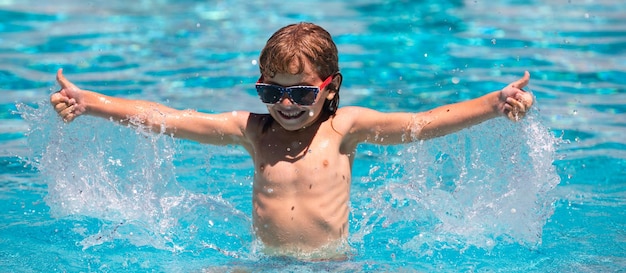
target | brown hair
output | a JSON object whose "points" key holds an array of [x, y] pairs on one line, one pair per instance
{"points": [[297, 44]]}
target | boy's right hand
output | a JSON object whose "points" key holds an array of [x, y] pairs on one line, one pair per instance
{"points": [[68, 101]]}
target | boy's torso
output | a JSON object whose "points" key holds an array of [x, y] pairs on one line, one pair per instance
{"points": [[301, 186]]}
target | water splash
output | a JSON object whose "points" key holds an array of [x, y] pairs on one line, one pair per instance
{"points": [[479, 188], [485, 186], [126, 178]]}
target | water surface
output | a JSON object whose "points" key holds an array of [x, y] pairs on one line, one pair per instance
{"points": [[545, 194]]}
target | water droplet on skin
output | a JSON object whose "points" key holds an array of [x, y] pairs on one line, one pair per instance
{"points": [[234, 113], [311, 113], [270, 190], [324, 144]]}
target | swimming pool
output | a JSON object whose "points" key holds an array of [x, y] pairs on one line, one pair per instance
{"points": [[545, 194]]}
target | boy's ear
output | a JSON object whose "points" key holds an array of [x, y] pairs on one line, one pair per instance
{"points": [[334, 86]]}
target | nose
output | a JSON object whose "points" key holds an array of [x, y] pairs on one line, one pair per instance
{"points": [[285, 100]]}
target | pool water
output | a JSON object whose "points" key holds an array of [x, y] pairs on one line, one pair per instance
{"points": [[546, 194]]}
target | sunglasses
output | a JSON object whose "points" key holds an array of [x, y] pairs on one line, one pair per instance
{"points": [[300, 95]]}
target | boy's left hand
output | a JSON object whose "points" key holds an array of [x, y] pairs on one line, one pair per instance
{"points": [[514, 101]]}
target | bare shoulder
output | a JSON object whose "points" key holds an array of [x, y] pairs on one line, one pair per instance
{"points": [[255, 120], [365, 124], [255, 123], [354, 115], [345, 116], [352, 112], [246, 126], [348, 119]]}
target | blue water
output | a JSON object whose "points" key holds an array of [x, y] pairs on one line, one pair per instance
{"points": [[546, 194]]}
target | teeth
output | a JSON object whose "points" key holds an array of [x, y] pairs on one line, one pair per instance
{"points": [[290, 114]]}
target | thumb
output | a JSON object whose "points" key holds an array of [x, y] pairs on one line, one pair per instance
{"points": [[522, 82], [65, 84]]}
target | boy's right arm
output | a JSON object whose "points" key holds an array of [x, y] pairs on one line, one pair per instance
{"points": [[227, 128]]}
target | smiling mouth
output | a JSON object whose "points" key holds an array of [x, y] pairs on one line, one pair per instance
{"points": [[291, 115]]}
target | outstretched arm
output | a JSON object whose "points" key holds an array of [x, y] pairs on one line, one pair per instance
{"points": [[391, 128], [71, 102]]}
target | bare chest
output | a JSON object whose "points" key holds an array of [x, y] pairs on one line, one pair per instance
{"points": [[290, 165]]}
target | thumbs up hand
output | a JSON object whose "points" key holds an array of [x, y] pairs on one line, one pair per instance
{"points": [[68, 101]]}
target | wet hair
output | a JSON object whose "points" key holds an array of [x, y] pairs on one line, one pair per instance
{"points": [[297, 44]]}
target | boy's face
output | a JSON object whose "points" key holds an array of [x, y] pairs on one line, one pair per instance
{"points": [[292, 116]]}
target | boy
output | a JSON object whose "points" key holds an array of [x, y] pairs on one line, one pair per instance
{"points": [[304, 148]]}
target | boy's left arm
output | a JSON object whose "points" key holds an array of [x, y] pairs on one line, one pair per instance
{"points": [[392, 128], [512, 102]]}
